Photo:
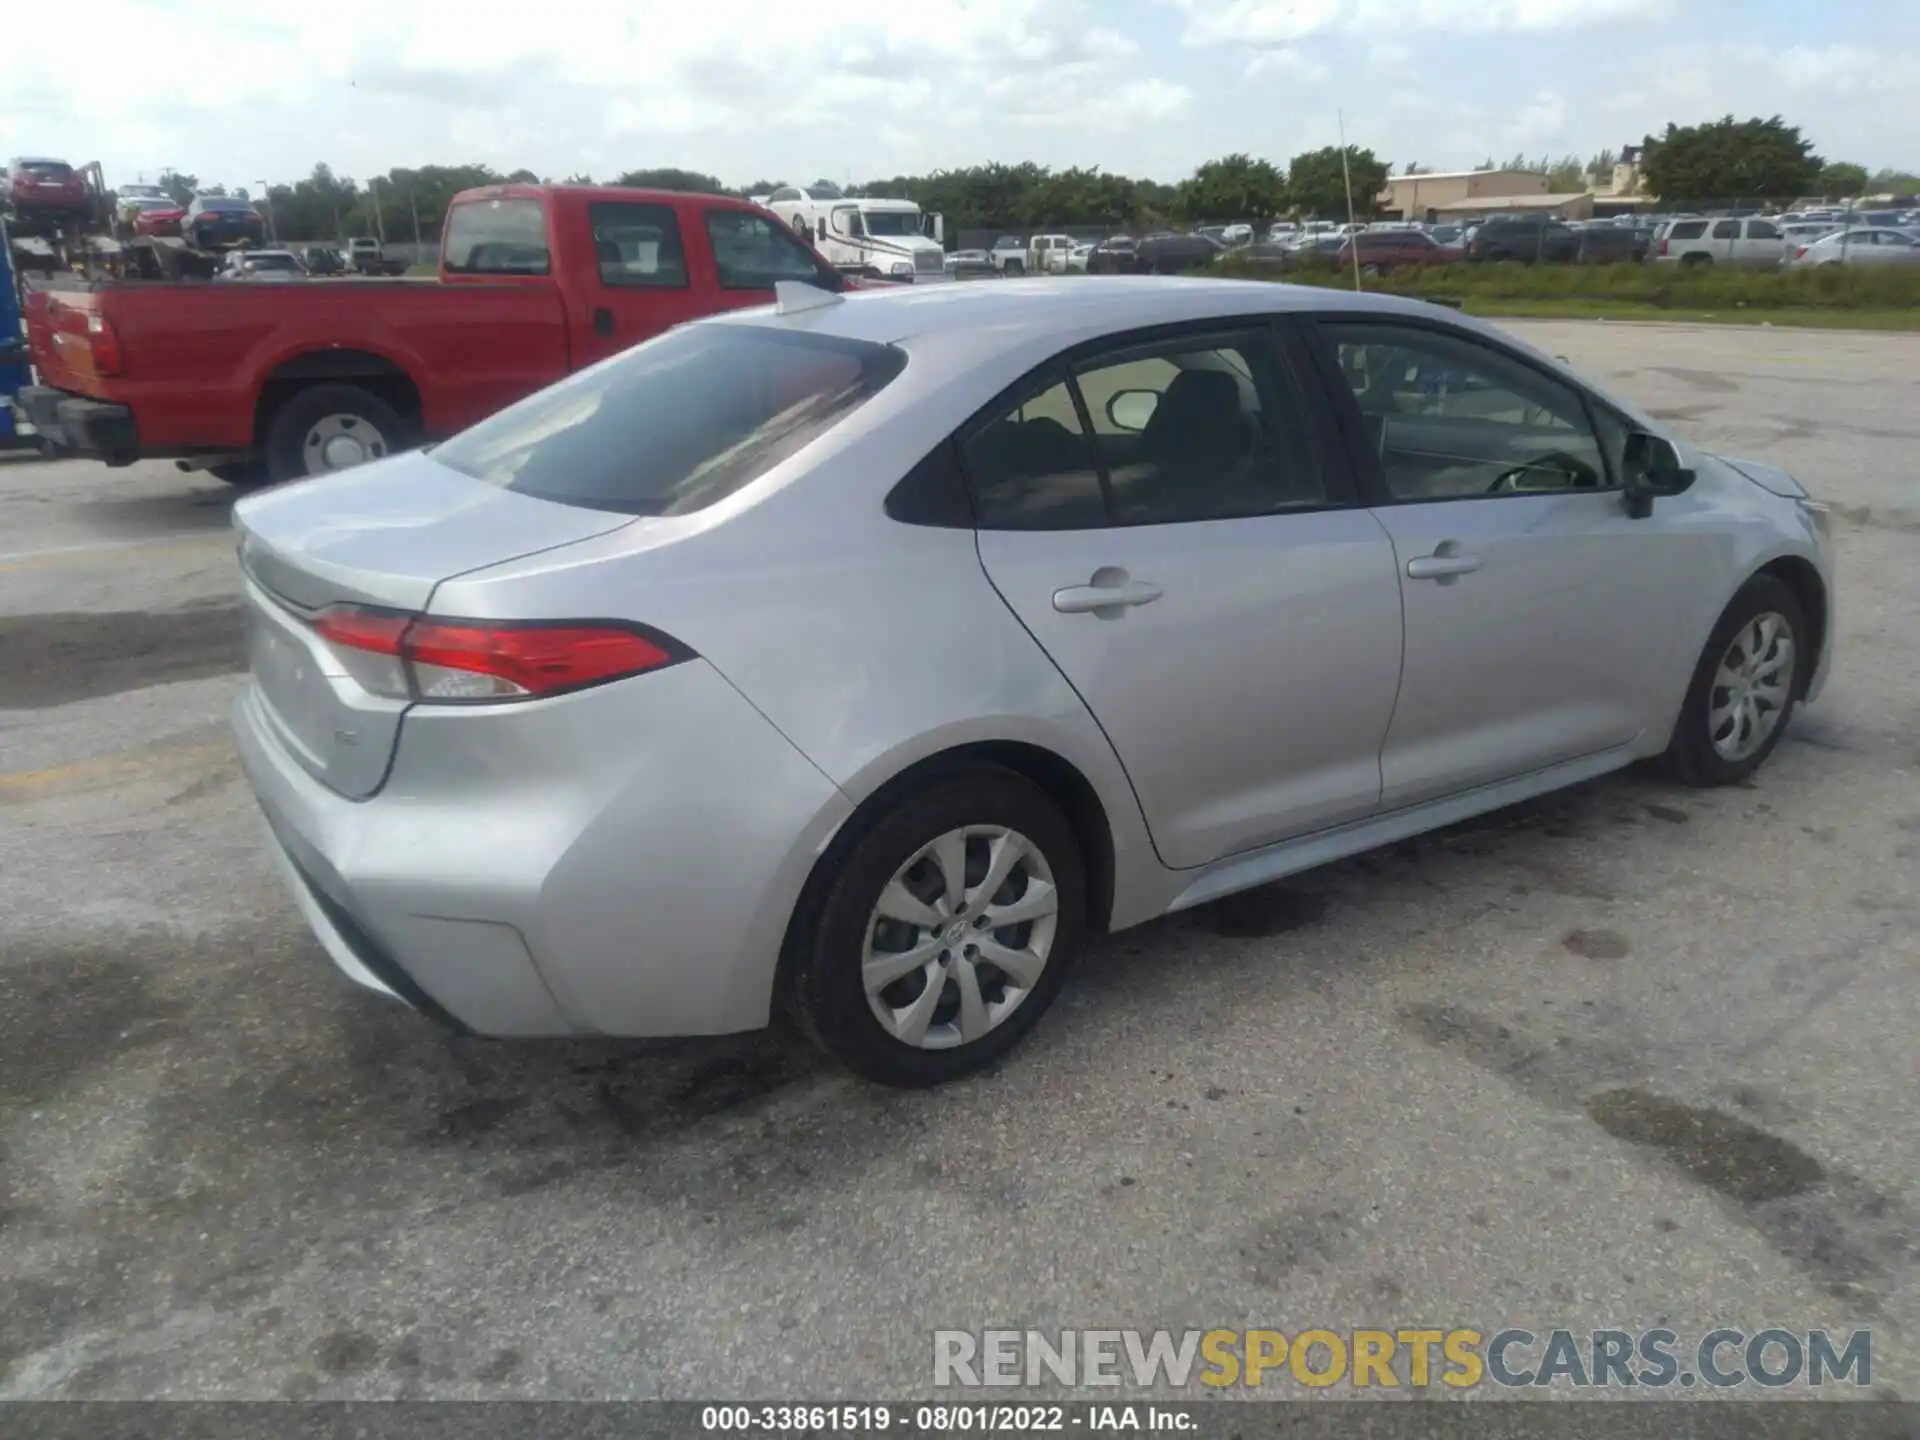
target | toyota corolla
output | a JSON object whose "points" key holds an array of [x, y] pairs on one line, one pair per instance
{"points": [[862, 656]]}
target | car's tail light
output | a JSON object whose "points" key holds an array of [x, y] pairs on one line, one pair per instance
{"points": [[103, 345], [1800, 253], [1663, 245], [422, 658]]}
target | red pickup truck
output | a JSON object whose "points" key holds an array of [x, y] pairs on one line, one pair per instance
{"points": [[298, 379]]}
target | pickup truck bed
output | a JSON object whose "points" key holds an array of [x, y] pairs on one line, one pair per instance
{"points": [[300, 378]]}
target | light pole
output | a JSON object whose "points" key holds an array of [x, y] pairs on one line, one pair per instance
{"points": [[379, 222], [266, 193]]}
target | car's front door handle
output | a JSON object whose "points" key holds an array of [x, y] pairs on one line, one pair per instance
{"points": [[1110, 593], [1442, 567]]}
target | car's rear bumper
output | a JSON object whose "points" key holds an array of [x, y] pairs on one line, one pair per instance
{"points": [[70, 424], [620, 861]]}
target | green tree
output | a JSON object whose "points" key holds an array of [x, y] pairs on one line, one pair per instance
{"points": [[1730, 159], [180, 186], [669, 178], [1601, 165], [1317, 186], [1841, 181], [1895, 182], [1567, 176], [1234, 187]]}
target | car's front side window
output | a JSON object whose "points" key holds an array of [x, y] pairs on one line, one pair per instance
{"points": [[1201, 429], [1450, 417], [751, 252]]}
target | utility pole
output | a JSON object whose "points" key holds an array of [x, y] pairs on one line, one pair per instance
{"points": [[379, 221]]}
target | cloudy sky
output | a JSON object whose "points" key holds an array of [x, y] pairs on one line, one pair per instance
{"points": [[240, 91]]}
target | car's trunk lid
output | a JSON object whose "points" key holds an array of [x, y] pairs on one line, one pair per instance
{"points": [[380, 537]]}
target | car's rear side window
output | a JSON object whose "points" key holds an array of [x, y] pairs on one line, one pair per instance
{"points": [[638, 245], [497, 237], [676, 424], [1687, 230]]}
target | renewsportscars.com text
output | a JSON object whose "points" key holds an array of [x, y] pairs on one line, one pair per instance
{"points": [[1722, 1359]]}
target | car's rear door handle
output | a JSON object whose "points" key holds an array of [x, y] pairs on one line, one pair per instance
{"points": [[1110, 592], [1442, 567]]}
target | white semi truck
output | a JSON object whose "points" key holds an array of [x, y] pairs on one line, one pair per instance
{"points": [[885, 239]]}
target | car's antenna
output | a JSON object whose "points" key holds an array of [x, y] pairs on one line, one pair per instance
{"points": [[1346, 176]]}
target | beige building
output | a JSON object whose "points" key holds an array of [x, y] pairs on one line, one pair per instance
{"points": [[1573, 205], [1430, 197]]}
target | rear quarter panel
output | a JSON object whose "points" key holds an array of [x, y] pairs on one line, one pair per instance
{"points": [[870, 644]]}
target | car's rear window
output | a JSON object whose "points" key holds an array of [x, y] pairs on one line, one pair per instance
{"points": [[47, 170], [676, 424], [497, 237]]}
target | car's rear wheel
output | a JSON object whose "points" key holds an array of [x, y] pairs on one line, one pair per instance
{"points": [[1696, 258], [1749, 677], [945, 931], [324, 428]]}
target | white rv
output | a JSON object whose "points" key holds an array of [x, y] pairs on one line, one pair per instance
{"points": [[886, 239]]}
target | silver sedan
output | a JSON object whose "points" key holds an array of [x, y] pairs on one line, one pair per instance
{"points": [[861, 656], [1880, 245]]}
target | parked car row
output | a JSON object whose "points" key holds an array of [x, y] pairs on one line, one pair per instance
{"points": [[1789, 241]]}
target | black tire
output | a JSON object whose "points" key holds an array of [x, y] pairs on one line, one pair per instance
{"points": [[287, 431], [1016, 267], [1690, 757], [827, 992], [1697, 257]]}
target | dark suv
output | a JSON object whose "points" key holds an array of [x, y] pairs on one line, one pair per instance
{"points": [[1525, 238]]}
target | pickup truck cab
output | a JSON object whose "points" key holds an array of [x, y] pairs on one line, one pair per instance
{"points": [[1010, 255], [535, 282], [1047, 254]]}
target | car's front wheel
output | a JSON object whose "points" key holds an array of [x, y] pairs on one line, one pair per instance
{"points": [[944, 932], [1749, 677]]}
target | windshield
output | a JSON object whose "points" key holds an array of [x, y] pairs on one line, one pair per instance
{"points": [[891, 223], [678, 423], [495, 237], [219, 202], [47, 169]]}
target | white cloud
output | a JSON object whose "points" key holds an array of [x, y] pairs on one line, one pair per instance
{"points": [[609, 84], [1276, 22], [1290, 63]]}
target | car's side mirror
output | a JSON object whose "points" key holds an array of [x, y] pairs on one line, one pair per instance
{"points": [[1132, 409], [1652, 468]]}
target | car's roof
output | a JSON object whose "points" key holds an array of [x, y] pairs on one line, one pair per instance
{"points": [[1017, 318]]}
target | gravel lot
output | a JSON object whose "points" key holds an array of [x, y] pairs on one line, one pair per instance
{"points": [[1427, 1085]]}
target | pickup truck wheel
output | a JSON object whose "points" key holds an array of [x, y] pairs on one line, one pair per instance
{"points": [[324, 428], [1016, 267]]}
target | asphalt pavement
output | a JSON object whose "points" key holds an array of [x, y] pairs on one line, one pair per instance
{"points": [[1633, 1054]]}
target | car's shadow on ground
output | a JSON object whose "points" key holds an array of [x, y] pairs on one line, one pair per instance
{"points": [[200, 505]]}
